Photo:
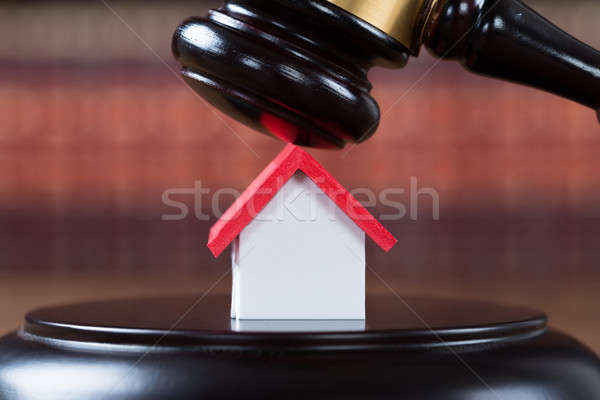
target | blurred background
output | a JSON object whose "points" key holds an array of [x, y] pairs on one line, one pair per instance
{"points": [[95, 125]]}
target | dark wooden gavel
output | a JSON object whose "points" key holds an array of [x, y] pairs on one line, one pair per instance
{"points": [[297, 69]]}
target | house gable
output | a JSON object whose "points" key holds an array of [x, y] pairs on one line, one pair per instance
{"points": [[271, 180]]}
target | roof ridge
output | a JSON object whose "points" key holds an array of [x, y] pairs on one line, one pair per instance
{"points": [[271, 180]]}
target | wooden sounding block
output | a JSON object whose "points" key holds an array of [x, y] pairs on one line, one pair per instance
{"points": [[130, 349]]}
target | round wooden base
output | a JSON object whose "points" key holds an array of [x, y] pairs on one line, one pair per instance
{"points": [[188, 348]]}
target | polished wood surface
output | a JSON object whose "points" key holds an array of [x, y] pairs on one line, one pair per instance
{"points": [[391, 324], [418, 347], [509, 40], [569, 303], [295, 70]]}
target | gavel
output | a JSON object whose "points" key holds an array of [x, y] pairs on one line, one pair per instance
{"points": [[297, 69]]}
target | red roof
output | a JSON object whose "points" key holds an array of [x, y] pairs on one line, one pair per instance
{"points": [[271, 180]]}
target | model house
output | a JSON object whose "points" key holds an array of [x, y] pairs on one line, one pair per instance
{"points": [[298, 244]]}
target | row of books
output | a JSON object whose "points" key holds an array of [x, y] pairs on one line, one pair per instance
{"points": [[95, 32]]}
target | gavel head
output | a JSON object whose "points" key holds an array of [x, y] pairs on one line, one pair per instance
{"points": [[295, 69]]}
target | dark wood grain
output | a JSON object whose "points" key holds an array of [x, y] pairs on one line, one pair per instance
{"points": [[509, 40], [391, 324], [297, 70], [423, 348]]}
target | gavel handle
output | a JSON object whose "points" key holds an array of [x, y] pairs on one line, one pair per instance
{"points": [[508, 40]]}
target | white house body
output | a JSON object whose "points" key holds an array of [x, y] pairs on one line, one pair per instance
{"points": [[301, 257]]}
